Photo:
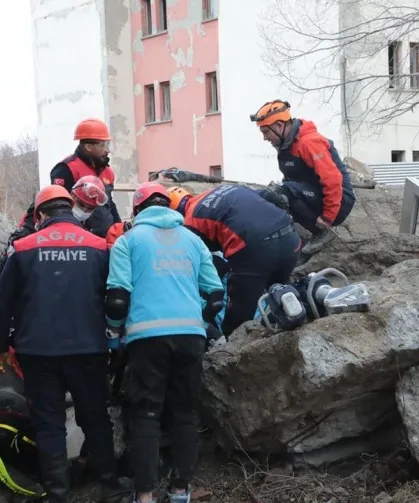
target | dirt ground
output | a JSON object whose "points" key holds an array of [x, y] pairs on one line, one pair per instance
{"points": [[392, 478], [242, 479], [368, 479]]}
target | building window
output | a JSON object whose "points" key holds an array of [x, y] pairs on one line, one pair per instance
{"points": [[415, 156], [414, 65], [208, 10], [398, 155], [150, 104], [147, 19], [394, 63], [216, 171], [166, 112], [212, 92], [162, 16]]}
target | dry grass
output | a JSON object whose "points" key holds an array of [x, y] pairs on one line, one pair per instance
{"points": [[408, 493], [373, 479]]}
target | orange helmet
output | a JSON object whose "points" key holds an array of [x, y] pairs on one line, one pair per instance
{"points": [[49, 193], [90, 190], [176, 195], [92, 129], [272, 112], [146, 190]]}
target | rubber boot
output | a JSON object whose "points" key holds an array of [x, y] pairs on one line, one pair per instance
{"points": [[55, 470], [113, 489], [318, 241]]}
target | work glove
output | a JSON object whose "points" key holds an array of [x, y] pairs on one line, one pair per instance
{"points": [[127, 226], [279, 200], [215, 302], [19, 233]]}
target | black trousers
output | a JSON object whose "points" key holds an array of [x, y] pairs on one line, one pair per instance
{"points": [[306, 204], [163, 371], [254, 269], [47, 378]]}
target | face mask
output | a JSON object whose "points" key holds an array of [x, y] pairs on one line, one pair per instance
{"points": [[81, 215]]}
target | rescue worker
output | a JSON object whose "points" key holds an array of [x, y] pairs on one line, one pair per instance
{"points": [[157, 270], [257, 238], [316, 181], [90, 158], [88, 194], [53, 284]]}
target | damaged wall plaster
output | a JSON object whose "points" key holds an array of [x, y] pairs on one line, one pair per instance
{"points": [[181, 56]]}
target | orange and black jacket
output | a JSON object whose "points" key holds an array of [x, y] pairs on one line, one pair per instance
{"points": [[232, 217], [311, 158], [71, 169], [54, 285]]}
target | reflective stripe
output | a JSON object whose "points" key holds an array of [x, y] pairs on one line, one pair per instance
{"points": [[174, 322], [16, 431], [10, 484]]}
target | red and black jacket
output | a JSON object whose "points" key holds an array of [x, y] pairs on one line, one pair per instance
{"points": [[310, 157], [231, 217], [53, 285], [71, 169]]}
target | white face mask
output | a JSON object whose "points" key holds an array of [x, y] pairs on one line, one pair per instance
{"points": [[81, 215]]}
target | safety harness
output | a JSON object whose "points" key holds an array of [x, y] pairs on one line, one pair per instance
{"points": [[7, 472]]}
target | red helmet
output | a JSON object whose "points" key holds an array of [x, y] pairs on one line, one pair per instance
{"points": [[50, 193], [146, 190], [90, 190], [92, 129]]}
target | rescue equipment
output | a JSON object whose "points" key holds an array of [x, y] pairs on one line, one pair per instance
{"points": [[286, 307]]}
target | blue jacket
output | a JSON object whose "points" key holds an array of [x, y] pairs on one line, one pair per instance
{"points": [[53, 284], [164, 267], [232, 217]]}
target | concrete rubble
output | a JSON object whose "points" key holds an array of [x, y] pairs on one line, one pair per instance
{"points": [[340, 385], [329, 380], [318, 391]]}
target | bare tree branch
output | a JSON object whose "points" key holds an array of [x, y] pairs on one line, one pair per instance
{"points": [[19, 177], [343, 45]]}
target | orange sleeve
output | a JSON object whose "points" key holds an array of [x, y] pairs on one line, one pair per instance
{"points": [[316, 154]]}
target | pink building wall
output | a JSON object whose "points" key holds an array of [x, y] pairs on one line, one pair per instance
{"points": [[183, 55]]}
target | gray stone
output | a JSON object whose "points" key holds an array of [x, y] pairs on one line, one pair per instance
{"points": [[407, 396], [325, 381]]}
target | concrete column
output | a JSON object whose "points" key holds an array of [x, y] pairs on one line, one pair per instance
{"points": [[83, 68]]}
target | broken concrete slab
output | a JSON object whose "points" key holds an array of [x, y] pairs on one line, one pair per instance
{"points": [[293, 391], [407, 396]]}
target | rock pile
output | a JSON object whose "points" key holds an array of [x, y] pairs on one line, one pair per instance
{"points": [[337, 378]]}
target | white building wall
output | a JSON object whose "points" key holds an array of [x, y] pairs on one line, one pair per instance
{"points": [[83, 68], [371, 143], [70, 73], [245, 85]]}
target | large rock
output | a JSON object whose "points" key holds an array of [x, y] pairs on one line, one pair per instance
{"points": [[331, 379], [368, 242], [361, 175], [407, 395]]}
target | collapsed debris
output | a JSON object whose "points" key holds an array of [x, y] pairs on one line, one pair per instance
{"points": [[316, 391], [335, 378]]}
